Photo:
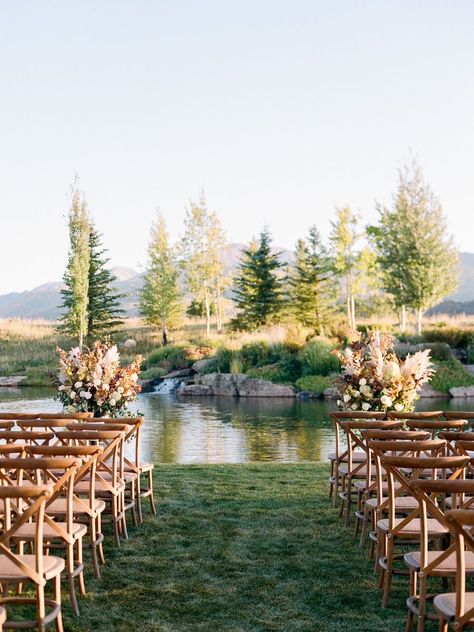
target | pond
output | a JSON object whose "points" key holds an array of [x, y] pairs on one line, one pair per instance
{"points": [[224, 429]]}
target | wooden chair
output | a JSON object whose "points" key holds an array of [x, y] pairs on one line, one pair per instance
{"points": [[36, 568], [402, 525], [431, 495], [86, 507], [26, 437], [459, 414], [457, 608], [3, 617], [355, 473], [340, 454], [15, 416]]}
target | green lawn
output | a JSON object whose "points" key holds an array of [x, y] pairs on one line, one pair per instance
{"points": [[239, 548]]}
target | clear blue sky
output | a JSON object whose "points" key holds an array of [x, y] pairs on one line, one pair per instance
{"points": [[279, 110]]}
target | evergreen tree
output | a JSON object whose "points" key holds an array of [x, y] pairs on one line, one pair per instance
{"points": [[75, 295], [311, 283], [104, 312], [419, 261], [160, 297], [257, 286]]}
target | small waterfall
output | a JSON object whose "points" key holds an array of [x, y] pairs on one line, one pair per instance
{"points": [[168, 385]]}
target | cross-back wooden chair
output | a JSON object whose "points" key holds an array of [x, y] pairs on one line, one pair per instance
{"points": [[431, 495], [340, 454], [85, 507], [17, 416], [355, 473], [436, 426], [41, 437], [457, 609], [7, 425], [58, 472], [373, 499], [402, 524], [36, 568], [109, 483], [459, 414]]}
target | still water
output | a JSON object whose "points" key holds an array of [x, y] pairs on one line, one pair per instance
{"points": [[223, 429]]}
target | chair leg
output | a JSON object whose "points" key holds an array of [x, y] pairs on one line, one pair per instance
{"points": [[57, 599], [80, 577], [152, 497], [443, 626], [365, 526], [139, 499], [40, 608], [115, 521], [388, 573], [422, 604], [93, 541], [413, 593], [70, 579]]}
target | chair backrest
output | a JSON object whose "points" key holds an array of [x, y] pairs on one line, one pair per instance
{"points": [[16, 416], [458, 414], [427, 415], [437, 425], [33, 498], [43, 424], [41, 437], [461, 527]]}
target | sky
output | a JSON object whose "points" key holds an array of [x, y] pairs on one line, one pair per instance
{"points": [[279, 111]]}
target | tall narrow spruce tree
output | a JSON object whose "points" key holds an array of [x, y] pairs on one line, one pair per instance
{"points": [[104, 311], [258, 291], [312, 290], [160, 296], [75, 295]]}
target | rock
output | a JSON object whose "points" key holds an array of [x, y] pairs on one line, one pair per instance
{"points": [[179, 373], [221, 383], [307, 395], [194, 389], [331, 393], [428, 391], [469, 368], [130, 343], [462, 391], [252, 387], [200, 365], [12, 380]]}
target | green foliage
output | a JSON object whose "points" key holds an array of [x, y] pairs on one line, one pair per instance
{"points": [[169, 357], [315, 383], [159, 297], [104, 313], [316, 358], [312, 289], [449, 374], [470, 354], [257, 286], [440, 351], [153, 373], [75, 295], [453, 336]]}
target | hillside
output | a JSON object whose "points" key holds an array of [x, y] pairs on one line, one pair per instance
{"points": [[42, 301]]}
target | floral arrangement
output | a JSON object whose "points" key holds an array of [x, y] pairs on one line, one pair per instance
{"points": [[92, 380], [374, 378]]}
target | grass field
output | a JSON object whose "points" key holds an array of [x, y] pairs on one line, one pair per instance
{"points": [[239, 548]]}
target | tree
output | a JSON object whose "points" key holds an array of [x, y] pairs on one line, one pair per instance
{"points": [[257, 286], [160, 296], [103, 311], [311, 283], [201, 245], [344, 238], [75, 296], [419, 260]]}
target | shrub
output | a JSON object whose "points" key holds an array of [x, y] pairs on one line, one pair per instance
{"points": [[440, 351], [152, 373], [453, 336], [315, 383], [271, 372], [449, 374], [316, 358], [169, 358]]}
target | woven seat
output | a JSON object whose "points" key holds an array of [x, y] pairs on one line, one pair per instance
{"points": [[435, 528], [443, 568], [446, 604], [27, 531], [10, 572]]}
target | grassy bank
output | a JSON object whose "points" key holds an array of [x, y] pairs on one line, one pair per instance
{"points": [[239, 548]]}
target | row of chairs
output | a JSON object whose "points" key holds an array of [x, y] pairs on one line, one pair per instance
{"points": [[61, 476], [410, 478]]}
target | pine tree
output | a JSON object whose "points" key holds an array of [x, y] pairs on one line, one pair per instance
{"points": [[104, 312], [311, 283], [160, 297], [257, 286], [75, 295], [419, 261]]}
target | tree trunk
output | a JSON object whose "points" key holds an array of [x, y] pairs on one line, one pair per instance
{"points": [[403, 319], [419, 320], [353, 312], [349, 312], [218, 309], [81, 340], [208, 313], [164, 334]]}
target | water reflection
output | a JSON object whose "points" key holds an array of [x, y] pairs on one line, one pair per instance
{"points": [[224, 430]]}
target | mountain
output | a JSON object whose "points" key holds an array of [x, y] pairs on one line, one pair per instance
{"points": [[42, 301]]}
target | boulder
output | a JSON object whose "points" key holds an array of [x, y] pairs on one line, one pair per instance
{"points": [[252, 387], [462, 391], [331, 393], [179, 373], [307, 395], [12, 380], [220, 383], [428, 391], [194, 389], [130, 343], [200, 365]]}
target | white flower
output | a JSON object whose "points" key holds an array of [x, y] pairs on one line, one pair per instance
{"points": [[338, 402], [105, 387], [356, 393], [112, 402], [385, 400], [78, 385], [85, 394], [391, 371], [399, 408], [365, 406], [120, 389], [362, 381], [72, 395], [346, 397], [97, 382], [354, 406], [61, 388]]}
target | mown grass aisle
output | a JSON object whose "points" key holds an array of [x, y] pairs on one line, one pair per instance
{"points": [[239, 548]]}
